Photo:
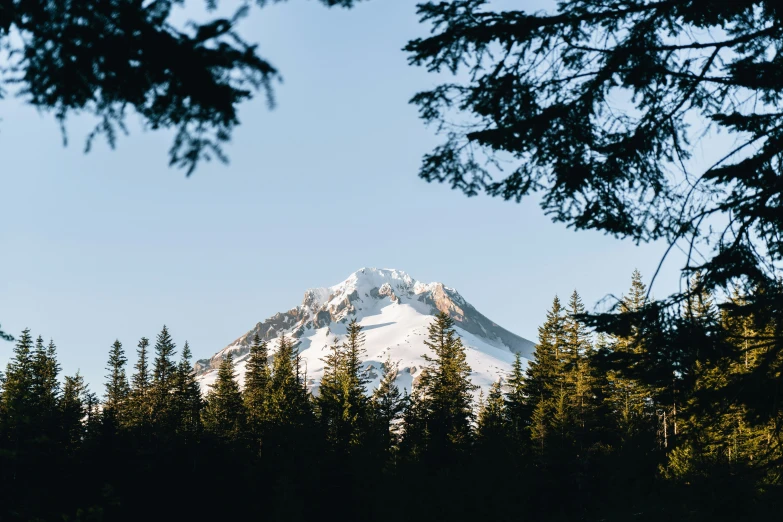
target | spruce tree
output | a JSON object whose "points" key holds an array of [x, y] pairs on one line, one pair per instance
{"points": [[257, 385], [544, 383], [289, 402], [343, 403], [630, 399], [580, 376], [353, 346], [93, 417], [331, 401], [45, 393], [491, 428], [117, 387], [18, 390], [717, 433], [46, 386], [517, 414], [224, 414], [447, 390], [141, 385], [187, 396], [540, 426], [73, 410], [164, 368], [415, 441], [164, 374]]}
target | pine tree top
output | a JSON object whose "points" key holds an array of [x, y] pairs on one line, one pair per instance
{"points": [[637, 296]]}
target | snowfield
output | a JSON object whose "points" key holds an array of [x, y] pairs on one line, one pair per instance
{"points": [[395, 312]]}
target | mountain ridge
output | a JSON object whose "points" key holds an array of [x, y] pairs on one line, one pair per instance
{"points": [[391, 306]]}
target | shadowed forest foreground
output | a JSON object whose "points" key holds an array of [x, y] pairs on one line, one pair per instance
{"points": [[598, 427]]}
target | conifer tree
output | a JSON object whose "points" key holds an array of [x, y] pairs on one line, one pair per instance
{"points": [[745, 435], [224, 413], [491, 428], [388, 403], [93, 417], [46, 386], [517, 414], [141, 385], [446, 390], [415, 426], [73, 411], [257, 386], [544, 383], [289, 403], [353, 347], [342, 401], [18, 393], [717, 432], [164, 374], [331, 401], [45, 393], [629, 398], [164, 368], [581, 384], [187, 396], [540, 426], [117, 387]]}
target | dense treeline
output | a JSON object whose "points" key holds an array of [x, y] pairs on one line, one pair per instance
{"points": [[587, 431]]}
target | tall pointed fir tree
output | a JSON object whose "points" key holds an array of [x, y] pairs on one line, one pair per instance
{"points": [[342, 402], [224, 414], [18, 398], [446, 391], [288, 397], [140, 406], [543, 386], [331, 395], [517, 414], [45, 394], [46, 385], [257, 383], [73, 410], [164, 372], [187, 397], [117, 387], [580, 378], [356, 393], [629, 398]]}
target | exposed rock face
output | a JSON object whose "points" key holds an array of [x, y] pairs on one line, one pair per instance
{"points": [[366, 292]]}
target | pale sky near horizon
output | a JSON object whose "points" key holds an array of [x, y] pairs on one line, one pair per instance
{"points": [[114, 244]]}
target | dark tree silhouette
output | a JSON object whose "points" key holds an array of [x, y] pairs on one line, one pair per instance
{"points": [[599, 107], [113, 58]]}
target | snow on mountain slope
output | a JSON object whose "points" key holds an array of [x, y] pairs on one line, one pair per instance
{"points": [[395, 311]]}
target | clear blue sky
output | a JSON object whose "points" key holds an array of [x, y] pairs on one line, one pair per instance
{"points": [[114, 244]]}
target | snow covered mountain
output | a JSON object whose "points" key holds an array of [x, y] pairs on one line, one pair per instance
{"points": [[395, 311]]}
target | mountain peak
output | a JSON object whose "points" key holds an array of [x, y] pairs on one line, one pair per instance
{"points": [[368, 278], [395, 310]]}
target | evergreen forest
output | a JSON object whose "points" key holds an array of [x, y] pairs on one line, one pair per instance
{"points": [[599, 426]]}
